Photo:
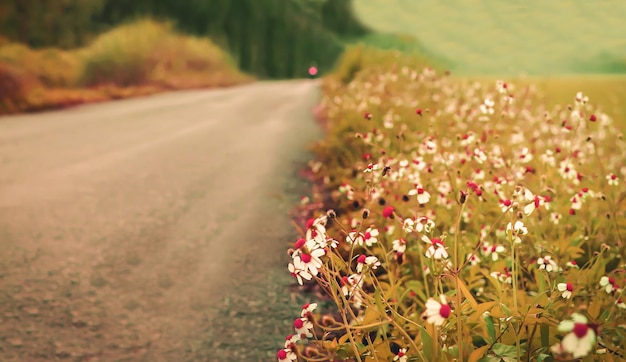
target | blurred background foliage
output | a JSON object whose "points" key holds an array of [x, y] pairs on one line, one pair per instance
{"points": [[267, 38]]}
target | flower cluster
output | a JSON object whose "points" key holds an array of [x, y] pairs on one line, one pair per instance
{"points": [[470, 213]]}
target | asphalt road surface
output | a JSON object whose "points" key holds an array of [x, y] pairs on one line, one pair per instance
{"points": [[152, 229]]}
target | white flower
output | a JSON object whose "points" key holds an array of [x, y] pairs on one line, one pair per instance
{"points": [[286, 355], [350, 288], [516, 230], [546, 263], [436, 250], [308, 309], [492, 250], [316, 229], [401, 356], [303, 327], [473, 259], [612, 179], [422, 195], [399, 245], [503, 277], [368, 237], [408, 225], [424, 224], [436, 313], [291, 340], [579, 340], [608, 284], [298, 270], [370, 261], [311, 261], [371, 167], [581, 99], [566, 289]]}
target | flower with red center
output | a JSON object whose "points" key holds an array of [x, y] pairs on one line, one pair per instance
{"points": [[370, 261], [422, 195], [612, 179], [367, 115], [388, 212], [369, 237], [424, 224], [566, 289], [436, 313], [580, 337], [492, 250], [286, 355], [311, 260], [546, 263], [298, 270], [303, 327], [418, 111], [608, 284], [516, 230], [399, 245], [436, 250], [401, 356], [291, 340]]}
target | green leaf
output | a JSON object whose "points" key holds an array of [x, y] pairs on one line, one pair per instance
{"points": [[504, 350], [491, 329], [378, 301], [545, 335], [427, 343], [544, 357]]}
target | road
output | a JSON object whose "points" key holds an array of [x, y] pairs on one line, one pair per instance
{"points": [[152, 229]]}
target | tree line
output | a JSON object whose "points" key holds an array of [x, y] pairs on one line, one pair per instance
{"points": [[268, 38]]}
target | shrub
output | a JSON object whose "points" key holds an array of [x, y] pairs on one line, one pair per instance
{"points": [[52, 67], [149, 52], [469, 223], [15, 87], [125, 55]]}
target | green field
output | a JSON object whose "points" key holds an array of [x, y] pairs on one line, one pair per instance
{"points": [[533, 37]]}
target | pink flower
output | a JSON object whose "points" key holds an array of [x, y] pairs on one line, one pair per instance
{"points": [[388, 212]]}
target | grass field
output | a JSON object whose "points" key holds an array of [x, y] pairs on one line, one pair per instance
{"points": [[562, 47], [509, 38]]}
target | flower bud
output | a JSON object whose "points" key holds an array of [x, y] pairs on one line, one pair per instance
{"points": [[366, 213], [331, 214], [462, 197]]}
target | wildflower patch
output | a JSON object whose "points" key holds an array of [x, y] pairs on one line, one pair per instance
{"points": [[462, 221]]}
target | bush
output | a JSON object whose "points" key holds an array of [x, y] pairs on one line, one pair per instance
{"points": [[124, 56], [148, 52], [471, 223], [52, 67], [15, 87]]}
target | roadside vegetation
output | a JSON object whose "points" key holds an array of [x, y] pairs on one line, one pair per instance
{"points": [[462, 219], [138, 58], [463, 216], [69, 52]]}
